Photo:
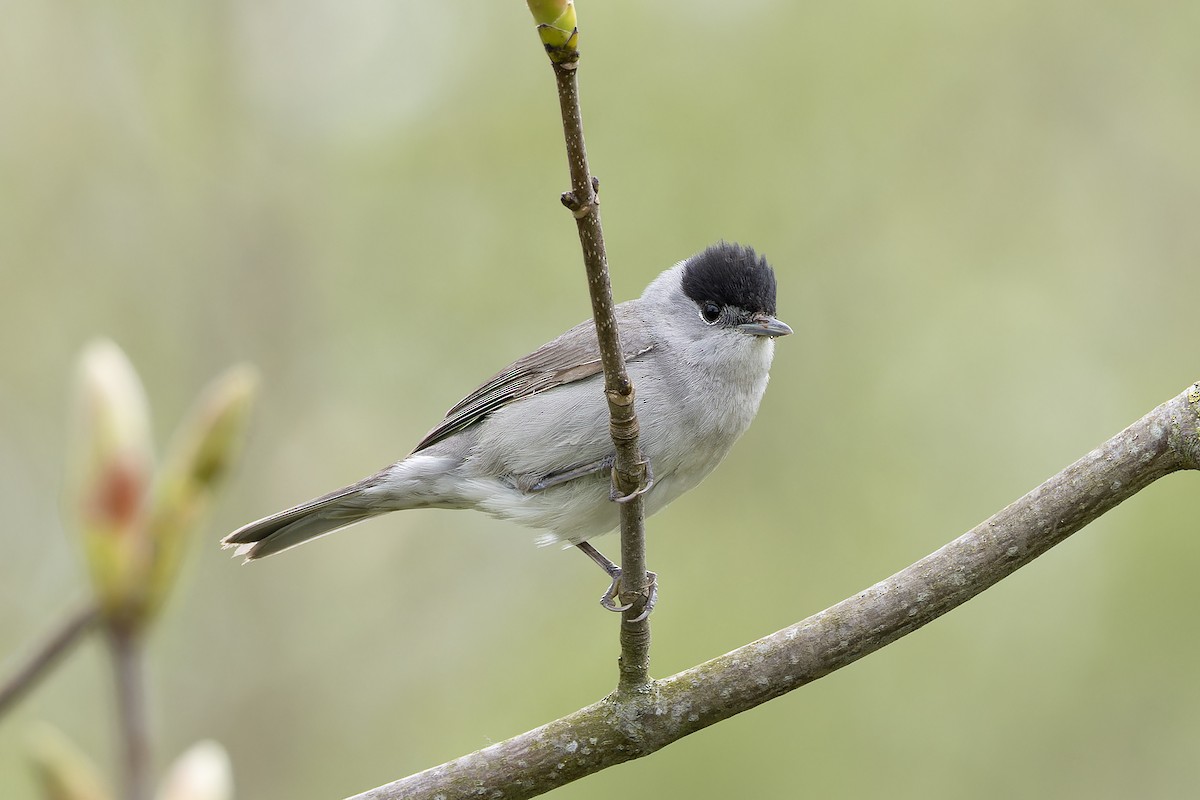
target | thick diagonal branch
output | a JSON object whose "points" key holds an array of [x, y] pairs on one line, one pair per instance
{"points": [[623, 726]]}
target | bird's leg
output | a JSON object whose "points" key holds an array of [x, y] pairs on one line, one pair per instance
{"points": [[570, 474], [614, 493], [610, 595], [614, 572]]}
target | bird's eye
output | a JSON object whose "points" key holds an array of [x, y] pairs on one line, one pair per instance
{"points": [[710, 311]]}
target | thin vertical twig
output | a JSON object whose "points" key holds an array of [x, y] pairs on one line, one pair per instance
{"points": [[46, 656], [630, 468]]}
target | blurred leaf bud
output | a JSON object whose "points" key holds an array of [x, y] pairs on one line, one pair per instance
{"points": [[556, 25], [62, 771], [201, 773], [134, 528], [110, 465], [205, 446]]}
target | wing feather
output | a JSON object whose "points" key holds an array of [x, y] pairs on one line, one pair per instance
{"points": [[571, 357]]}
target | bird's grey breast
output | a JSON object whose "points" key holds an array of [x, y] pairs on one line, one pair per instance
{"points": [[692, 410]]}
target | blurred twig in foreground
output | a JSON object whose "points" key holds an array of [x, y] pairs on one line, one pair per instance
{"points": [[47, 655], [133, 521]]}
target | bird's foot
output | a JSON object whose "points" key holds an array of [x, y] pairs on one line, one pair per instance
{"points": [[609, 598], [614, 493]]}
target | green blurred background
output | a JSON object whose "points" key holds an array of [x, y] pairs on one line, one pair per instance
{"points": [[984, 221]]}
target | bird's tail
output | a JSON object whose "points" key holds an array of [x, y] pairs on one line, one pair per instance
{"points": [[287, 529]]}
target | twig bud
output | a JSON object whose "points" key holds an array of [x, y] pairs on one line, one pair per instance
{"points": [[201, 773], [556, 25], [62, 771], [111, 464], [134, 535], [206, 444]]}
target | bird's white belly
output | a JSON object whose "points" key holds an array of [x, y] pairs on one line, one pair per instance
{"points": [[582, 508]]}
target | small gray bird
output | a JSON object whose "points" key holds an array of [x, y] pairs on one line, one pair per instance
{"points": [[532, 444]]}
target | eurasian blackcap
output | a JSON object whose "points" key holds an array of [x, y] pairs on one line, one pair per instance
{"points": [[532, 444]]}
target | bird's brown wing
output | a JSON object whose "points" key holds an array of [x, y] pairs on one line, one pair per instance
{"points": [[571, 357]]}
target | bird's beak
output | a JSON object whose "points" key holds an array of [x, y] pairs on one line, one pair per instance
{"points": [[765, 325]]}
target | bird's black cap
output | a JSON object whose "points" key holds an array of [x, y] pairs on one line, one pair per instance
{"points": [[731, 275]]}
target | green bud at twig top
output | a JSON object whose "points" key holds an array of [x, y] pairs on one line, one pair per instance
{"points": [[557, 28], [110, 464], [63, 772]]}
